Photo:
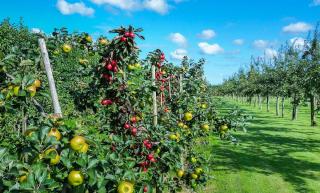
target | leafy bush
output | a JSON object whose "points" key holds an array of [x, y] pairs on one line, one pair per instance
{"points": [[108, 139]]}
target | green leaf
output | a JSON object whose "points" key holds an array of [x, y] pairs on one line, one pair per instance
{"points": [[92, 163], [44, 132], [110, 177], [102, 190], [128, 175], [72, 124], [92, 177], [82, 161], [131, 164]]}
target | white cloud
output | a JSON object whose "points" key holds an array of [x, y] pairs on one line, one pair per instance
{"points": [[36, 30], [270, 53], [260, 44], [121, 4], [178, 38], [316, 2], [71, 8], [298, 27], [178, 54], [159, 6], [210, 49], [298, 42], [238, 42], [207, 34]]}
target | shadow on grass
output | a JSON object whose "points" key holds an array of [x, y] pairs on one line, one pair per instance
{"points": [[292, 170], [266, 149]]}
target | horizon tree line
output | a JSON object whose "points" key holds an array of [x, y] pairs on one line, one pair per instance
{"points": [[294, 74]]}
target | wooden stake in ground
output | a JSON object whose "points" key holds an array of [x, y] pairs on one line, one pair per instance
{"points": [[52, 86], [180, 83], [180, 89], [154, 96], [170, 95]]}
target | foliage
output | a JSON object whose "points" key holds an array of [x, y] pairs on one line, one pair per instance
{"points": [[107, 140], [293, 73]]}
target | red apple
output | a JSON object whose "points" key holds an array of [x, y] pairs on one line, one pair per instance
{"points": [[106, 102], [108, 67], [150, 156], [134, 131], [113, 63], [107, 77], [126, 126], [133, 119], [132, 35], [123, 39], [148, 146]]}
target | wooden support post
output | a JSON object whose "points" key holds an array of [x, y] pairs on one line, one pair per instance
{"points": [[154, 97], [180, 83], [170, 94], [180, 88], [161, 99], [52, 86]]}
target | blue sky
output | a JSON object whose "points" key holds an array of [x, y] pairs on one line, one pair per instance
{"points": [[226, 32]]}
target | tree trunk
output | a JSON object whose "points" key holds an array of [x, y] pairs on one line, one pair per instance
{"points": [[277, 106], [259, 102], [282, 107], [313, 103], [294, 112], [268, 103]]}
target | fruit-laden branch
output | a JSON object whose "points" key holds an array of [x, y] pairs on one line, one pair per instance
{"points": [[53, 91], [154, 97], [35, 102]]}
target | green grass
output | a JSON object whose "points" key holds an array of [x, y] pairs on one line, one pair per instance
{"points": [[276, 155]]}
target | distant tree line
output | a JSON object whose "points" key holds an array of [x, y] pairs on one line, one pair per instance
{"points": [[294, 74]]}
